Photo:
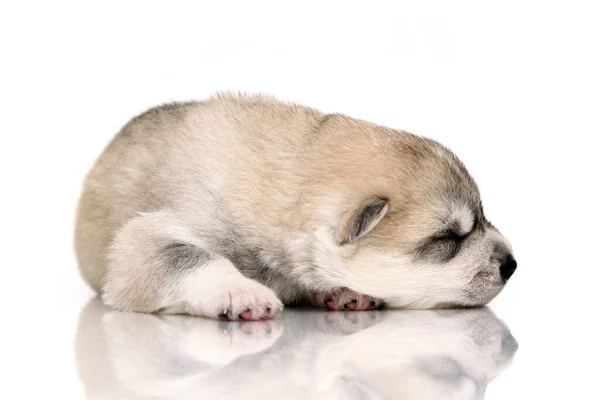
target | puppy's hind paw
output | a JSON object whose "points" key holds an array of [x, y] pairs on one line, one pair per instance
{"points": [[345, 300]]}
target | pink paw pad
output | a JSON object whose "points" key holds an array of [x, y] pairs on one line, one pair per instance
{"points": [[248, 315], [345, 300]]}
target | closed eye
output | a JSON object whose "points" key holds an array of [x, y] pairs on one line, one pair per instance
{"points": [[450, 245], [450, 234], [442, 246]]}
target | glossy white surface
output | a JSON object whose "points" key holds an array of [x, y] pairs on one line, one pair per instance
{"points": [[302, 355], [511, 87]]}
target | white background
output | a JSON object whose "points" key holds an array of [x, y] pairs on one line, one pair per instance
{"points": [[512, 87]]}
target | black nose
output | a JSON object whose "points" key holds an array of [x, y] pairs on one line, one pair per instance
{"points": [[508, 267]]}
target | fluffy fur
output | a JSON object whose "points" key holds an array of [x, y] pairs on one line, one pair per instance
{"points": [[233, 206]]}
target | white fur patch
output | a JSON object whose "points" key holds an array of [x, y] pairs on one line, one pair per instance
{"points": [[461, 213], [218, 287]]}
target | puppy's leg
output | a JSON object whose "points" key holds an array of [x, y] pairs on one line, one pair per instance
{"points": [[155, 264]]}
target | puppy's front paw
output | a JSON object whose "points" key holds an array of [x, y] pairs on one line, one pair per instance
{"points": [[245, 300], [345, 300]]}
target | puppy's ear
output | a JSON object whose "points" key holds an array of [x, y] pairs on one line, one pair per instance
{"points": [[358, 222]]}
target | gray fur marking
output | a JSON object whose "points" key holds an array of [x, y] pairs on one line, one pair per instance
{"points": [[181, 257]]}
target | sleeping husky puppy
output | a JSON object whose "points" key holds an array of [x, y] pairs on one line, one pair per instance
{"points": [[231, 207]]}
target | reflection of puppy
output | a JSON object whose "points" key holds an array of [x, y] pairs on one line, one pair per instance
{"points": [[221, 208], [303, 355], [143, 354], [438, 355]]}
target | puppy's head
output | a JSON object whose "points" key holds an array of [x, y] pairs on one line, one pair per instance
{"points": [[404, 222]]}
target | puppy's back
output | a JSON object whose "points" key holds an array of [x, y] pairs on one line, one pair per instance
{"points": [[212, 160]]}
